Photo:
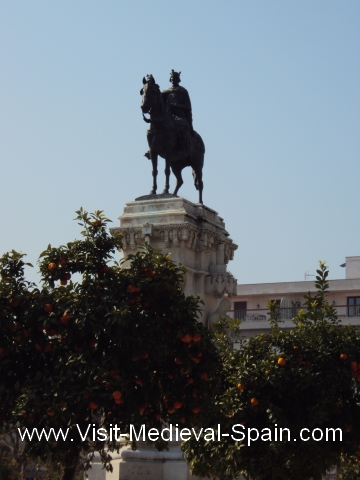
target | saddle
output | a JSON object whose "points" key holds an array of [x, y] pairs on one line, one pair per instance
{"points": [[184, 139]]}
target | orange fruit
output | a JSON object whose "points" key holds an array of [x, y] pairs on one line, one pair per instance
{"points": [[48, 308], [171, 410], [240, 386], [178, 361], [295, 347], [52, 266], [50, 412], [196, 337], [190, 381], [93, 405], [203, 376], [186, 338], [63, 282], [65, 318], [138, 381], [343, 357], [353, 366], [281, 362], [117, 394], [177, 405], [195, 409], [254, 401], [96, 223], [63, 261]]}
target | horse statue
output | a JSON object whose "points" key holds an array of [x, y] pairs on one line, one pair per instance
{"points": [[168, 137]]}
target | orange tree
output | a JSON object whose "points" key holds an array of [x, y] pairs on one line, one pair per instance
{"points": [[306, 378], [120, 346]]}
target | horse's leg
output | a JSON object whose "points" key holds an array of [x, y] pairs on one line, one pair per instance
{"points": [[198, 183], [197, 174], [176, 168], [154, 161], [167, 176]]}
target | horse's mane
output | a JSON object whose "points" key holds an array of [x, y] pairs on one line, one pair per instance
{"points": [[162, 103]]}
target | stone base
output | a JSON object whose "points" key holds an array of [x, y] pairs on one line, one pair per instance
{"points": [[146, 463], [155, 196], [193, 234]]}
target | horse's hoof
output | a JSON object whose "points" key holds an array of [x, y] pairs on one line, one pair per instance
{"points": [[165, 191], [152, 192]]}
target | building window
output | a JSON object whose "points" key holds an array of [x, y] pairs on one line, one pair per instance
{"points": [[240, 310], [277, 302], [353, 306]]}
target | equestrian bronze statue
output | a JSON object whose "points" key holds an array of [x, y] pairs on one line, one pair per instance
{"points": [[170, 133]]}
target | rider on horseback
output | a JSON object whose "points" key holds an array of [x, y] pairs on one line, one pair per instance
{"points": [[170, 134]]}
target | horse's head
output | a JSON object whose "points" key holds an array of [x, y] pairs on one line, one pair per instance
{"points": [[151, 95]]}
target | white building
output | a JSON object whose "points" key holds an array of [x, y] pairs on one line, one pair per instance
{"points": [[250, 303]]}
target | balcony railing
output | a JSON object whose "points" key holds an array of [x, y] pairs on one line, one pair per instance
{"points": [[262, 315]]}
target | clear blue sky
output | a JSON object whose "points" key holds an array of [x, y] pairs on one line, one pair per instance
{"points": [[275, 89]]}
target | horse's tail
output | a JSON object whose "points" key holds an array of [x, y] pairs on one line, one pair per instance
{"points": [[196, 183]]}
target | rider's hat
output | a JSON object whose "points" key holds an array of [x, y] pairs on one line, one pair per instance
{"points": [[173, 73]]}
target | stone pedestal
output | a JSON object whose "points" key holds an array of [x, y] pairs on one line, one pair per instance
{"points": [[193, 234]]}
